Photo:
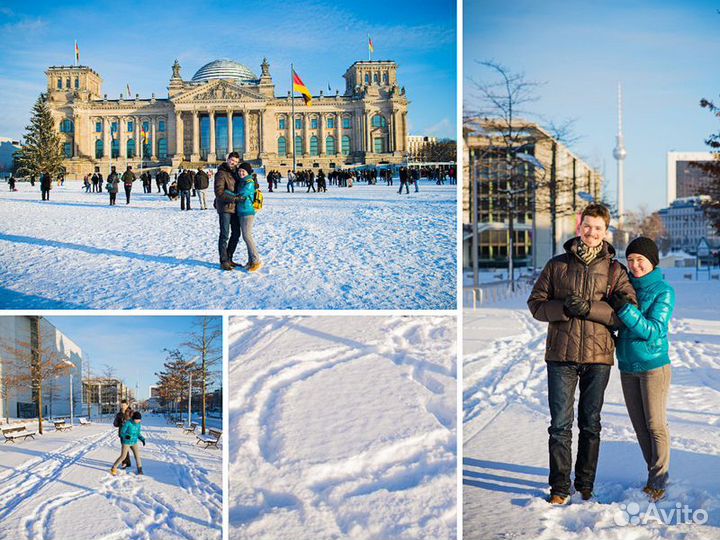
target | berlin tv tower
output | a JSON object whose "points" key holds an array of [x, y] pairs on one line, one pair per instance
{"points": [[619, 153]]}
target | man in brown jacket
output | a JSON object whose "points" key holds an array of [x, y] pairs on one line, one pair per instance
{"points": [[571, 294], [225, 183]]}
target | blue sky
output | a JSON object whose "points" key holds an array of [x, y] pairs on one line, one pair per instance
{"points": [[132, 345], [137, 42], [664, 53]]}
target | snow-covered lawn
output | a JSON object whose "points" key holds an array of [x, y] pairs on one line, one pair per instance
{"points": [[343, 427], [364, 247], [58, 486], [505, 432]]}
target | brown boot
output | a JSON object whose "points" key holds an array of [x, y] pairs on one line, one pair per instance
{"points": [[586, 494], [254, 267], [559, 500], [227, 266]]}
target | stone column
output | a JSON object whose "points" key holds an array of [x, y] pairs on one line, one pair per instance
{"points": [[306, 143], [338, 130], [195, 137], [106, 138], [121, 139], [368, 141], [246, 121], [230, 131], [321, 134], [153, 142], [138, 138], [261, 132], [211, 154], [179, 135]]}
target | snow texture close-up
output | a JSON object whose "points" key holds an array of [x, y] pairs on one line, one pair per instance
{"points": [[59, 486], [343, 428], [506, 416], [364, 247]]}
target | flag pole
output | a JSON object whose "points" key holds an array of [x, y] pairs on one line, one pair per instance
{"points": [[368, 46], [292, 108]]}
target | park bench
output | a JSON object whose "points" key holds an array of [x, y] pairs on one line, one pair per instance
{"points": [[60, 425], [84, 421], [211, 438], [190, 429], [12, 433]]}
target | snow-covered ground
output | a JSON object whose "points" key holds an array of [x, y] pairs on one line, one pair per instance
{"points": [[364, 247], [343, 427], [58, 486], [505, 432]]}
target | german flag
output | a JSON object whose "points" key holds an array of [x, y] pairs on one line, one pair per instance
{"points": [[77, 53], [299, 87]]}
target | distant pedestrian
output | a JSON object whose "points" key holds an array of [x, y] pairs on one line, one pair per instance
{"points": [[113, 180], [184, 185], [128, 178], [291, 181], [404, 180], [45, 185], [202, 182]]}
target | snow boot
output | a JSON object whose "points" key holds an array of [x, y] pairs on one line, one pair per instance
{"points": [[654, 494], [227, 266], [586, 494], [559, 500], [113, 471], [254, 267], [140, 471], [236, 265]]}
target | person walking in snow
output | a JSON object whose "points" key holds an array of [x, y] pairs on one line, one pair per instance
{"points": [[128, 178], [45, 185], [113, 180], [202, 182], [644, 360], [572, 295], [130, 435], [122, 416], [291, 181]]}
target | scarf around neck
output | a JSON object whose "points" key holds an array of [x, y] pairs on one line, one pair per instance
{"points": [[586, 253]]}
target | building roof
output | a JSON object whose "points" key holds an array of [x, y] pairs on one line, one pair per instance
{"points": [[225, 69]]}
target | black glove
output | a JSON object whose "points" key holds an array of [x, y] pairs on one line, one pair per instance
{"points": [[574, 306], [618, 300], [142, 441], [127, 437]]}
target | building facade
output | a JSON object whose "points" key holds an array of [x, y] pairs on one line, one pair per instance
{"points": [[550, 186], [686, 221], [226, 107], [20, 339], [684, 179], [416, 144]]}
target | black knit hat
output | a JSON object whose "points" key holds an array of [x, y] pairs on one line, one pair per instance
{"points": [[646, 247], [245, 165], [136, 415]]}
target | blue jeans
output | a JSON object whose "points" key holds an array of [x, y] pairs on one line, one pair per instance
{"points": [[563, 378], [184, 199], [229, 236]]}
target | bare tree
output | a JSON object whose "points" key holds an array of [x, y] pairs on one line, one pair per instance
{"points": [[38, 360], [12, 377], [206, 341]]}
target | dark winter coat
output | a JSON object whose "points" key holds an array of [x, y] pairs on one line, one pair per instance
{"points": [[589, 340], [202, 181], [225, 180], [184, 181], [45, 181], [128, 178]]}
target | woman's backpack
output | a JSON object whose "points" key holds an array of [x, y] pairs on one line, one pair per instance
{"points": [[258, 200]]}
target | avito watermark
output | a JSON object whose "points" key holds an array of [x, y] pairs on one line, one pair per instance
{"points": [[681, 514]]}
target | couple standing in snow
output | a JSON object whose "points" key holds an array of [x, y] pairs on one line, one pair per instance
{"points": [[128, 423], [586, 296], [235, 187]]}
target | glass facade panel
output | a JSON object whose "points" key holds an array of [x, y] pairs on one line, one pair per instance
{"points": [[221, 136], [162, 148], [346, 145], [314, 143], [238, 133], [131, 148], [330, 145], [161, 126], [115, 149], [68, 150], [99, 148], [204, 136], [346, 123], [282, 146]]}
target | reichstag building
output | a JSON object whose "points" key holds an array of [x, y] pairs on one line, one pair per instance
{"points": [[226, 107]]}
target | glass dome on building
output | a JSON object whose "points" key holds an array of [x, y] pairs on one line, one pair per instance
{"points": [[225, 69]]}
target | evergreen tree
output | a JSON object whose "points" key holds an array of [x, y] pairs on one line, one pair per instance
{"points": [[712, 168], [41, 150]]}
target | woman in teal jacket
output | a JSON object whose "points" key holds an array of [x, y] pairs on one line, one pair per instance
{"points": [[130, 435], [643, 357], [245, 208]]}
